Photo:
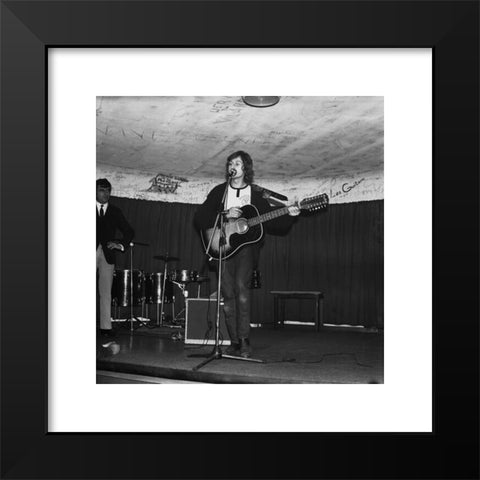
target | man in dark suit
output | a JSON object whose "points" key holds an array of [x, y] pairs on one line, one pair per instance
{"points": [[109, 220]]}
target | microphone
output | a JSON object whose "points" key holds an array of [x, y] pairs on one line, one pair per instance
{"points": [[232, 172]]}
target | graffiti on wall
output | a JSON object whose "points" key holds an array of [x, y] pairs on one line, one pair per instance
{"points": [[165, 183]]}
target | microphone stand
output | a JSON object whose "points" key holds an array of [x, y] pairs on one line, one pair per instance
{"points": [[217, 351]]}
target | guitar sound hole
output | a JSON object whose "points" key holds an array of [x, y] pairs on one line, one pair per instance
{"points": [[242, 226]]}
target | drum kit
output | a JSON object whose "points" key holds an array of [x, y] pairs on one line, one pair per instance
{"points": [[135, 287]]}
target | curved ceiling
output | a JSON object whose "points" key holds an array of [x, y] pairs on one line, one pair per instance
{"points": [[187, 139]]}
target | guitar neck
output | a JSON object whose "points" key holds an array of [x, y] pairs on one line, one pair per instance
{"points": [[267, 216]]}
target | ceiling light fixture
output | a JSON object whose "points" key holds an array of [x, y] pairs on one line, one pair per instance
{"points": [[261, 101]]}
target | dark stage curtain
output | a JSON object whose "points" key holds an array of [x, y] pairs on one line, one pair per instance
{"points": [[338, 252]]}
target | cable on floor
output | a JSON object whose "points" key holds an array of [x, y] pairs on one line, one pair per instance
{"points": [[294, 360]]}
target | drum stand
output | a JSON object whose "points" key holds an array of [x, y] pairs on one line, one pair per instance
{"points": [[217, 351], [132, 318], [164, 282]]}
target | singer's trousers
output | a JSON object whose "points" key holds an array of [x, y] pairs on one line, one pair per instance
{"points": [[105, 279], [236, 277]]}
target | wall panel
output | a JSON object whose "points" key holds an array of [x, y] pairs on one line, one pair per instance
{"points": [[339, 252]]}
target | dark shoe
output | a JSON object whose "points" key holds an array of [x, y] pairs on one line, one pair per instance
{"points": [[245, 348], [110, 348], [233, 349], [107, 333]]}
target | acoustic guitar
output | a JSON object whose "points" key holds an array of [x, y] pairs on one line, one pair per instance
{"points": [[248, 227]]}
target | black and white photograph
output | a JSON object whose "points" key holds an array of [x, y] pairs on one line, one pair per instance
{"points": [[240, 239], [286, 286]]}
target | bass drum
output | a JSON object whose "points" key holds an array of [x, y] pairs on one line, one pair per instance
{"points": [[153, 288], [121, 287]]}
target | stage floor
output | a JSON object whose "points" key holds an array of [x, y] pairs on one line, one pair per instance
{"points": [[292, 354]]}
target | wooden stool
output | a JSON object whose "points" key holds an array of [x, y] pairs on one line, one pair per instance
{"points": [[279, 298]]}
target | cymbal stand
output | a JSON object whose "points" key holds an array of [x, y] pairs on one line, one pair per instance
{"points": [[164, 282], [217, 351], [161, 317], [183, 288]]}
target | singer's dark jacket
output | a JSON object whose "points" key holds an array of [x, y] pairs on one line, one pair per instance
{"points": [[107, 227], [207, 212]]}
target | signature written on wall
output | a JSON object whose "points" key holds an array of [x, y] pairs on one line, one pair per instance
{"points": [[346, 188]]}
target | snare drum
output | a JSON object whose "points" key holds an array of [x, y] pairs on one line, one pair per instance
{"points": [[153, 288], [183, 276], [121, 287]]}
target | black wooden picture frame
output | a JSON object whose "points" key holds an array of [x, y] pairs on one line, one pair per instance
{"points": [[29, 29]]}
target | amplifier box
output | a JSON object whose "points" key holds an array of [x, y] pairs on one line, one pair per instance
{"points": [[200, 317]]}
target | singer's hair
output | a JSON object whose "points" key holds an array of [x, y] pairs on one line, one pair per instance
{"points": [[247, 165]]}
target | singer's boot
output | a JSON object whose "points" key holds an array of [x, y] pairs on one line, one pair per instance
{"points": [[245, 348], [233, 349]]}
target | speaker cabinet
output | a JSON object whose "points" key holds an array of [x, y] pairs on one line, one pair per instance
{"points": [[200, 317]]}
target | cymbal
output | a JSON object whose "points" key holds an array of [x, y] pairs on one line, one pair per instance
{"points": [[166, 258]]}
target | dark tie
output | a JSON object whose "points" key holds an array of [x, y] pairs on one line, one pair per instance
{"points": [[102, 213]]}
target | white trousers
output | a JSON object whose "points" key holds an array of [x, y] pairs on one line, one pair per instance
{"points": [[105, 280]]}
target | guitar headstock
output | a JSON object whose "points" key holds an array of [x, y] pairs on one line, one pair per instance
{"points": [[317, 202]]}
